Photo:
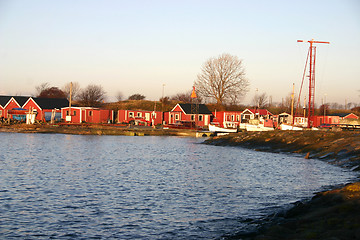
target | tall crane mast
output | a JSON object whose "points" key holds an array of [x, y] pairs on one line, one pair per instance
{"points": [[312, 57]]}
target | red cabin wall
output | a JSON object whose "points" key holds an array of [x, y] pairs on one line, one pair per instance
{"points": [[12, 104], [318, 120], [123, 116], [3, 112], [75, 118], [31, 104]]}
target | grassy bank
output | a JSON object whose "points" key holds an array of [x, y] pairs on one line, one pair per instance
{"points": [[331, 214]]}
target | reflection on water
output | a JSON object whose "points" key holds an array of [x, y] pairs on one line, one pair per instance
{"points": [[83, 187]]}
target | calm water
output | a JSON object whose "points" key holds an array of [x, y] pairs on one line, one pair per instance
{"points": [[104, 187]]}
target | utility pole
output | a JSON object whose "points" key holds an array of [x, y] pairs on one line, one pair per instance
{"points": [[68, 118], [292, 105], [312, 57]]}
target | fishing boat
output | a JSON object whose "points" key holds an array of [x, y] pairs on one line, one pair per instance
{"points": [[257, 128], [290, 127], [215, 127]]}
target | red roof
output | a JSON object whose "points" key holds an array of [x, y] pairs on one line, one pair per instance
{"points": [[259, 111]]}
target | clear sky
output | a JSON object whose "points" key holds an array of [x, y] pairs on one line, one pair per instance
{"points": [[137, 46]]}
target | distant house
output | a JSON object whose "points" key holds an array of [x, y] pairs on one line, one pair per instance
{"points": [[319, 120], [87, 115], [345, 115], [187, 112], [140, 117], [260, 114], [227, 119], [3, 101], [9, 103], [301, 121], [45, 108]]}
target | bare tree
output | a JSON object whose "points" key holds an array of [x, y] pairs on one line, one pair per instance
{"points": [[119, 96], [52, 92], [41, 88], [261, 100], [182, 97], [92, 96], [74, 91], [222, 79]]}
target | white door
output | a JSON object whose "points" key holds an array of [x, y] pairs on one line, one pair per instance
{"points": [[147, 116]]}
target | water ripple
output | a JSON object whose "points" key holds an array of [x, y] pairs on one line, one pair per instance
{"points": [[113, 187]]}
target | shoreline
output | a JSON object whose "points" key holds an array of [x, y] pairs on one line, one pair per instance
{"points": [[95, 129], [332, 214]]}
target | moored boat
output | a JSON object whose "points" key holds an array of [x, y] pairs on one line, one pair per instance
{"points": [[216, 128], [290, 127]]}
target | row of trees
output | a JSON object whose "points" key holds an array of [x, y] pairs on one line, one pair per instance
{"points": [[222, 80], [92, 95]]}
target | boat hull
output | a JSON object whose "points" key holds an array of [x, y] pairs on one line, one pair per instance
{"points": [[214, 128]]}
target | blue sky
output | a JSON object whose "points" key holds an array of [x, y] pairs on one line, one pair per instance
{"points": [[137, 46]]}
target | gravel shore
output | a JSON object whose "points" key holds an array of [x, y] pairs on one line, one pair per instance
{"points": [[331, 214]]}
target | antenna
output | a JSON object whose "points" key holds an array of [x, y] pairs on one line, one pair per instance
{"points": [[312, 57]]}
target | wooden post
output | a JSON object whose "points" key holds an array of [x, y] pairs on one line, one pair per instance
{"points": [[292, 105]]}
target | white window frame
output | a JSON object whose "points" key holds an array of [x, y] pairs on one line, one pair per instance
{"points": [[131, 114]]}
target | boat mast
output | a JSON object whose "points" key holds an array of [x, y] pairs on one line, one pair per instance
{"points": [[312, 58]]}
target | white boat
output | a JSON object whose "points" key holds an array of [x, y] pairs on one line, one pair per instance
{"points": [[257, 128], [217, 128], [289, 127]]}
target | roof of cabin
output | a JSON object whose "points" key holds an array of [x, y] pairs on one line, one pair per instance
{"points": [[4, 100], [51, 103], [341, 114], [19, 99], [260, 111], [202, 108], [44, 103]]}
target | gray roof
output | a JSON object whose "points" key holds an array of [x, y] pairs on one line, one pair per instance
{"points": [[51, 103], [44, 103], [19, 99], [202, 108]]}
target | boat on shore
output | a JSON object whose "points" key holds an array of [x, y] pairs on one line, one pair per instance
{"points": [[290, 127], [255, 127], [218, 129]]}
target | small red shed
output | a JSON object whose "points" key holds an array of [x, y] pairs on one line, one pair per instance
{"points": [[140, 117], [188, 112], [87, 114], [318, 120], [46, 107], [227, 118]]}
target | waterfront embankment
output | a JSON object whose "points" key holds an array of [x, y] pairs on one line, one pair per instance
{"points": [[333, 214], [97, 129]]}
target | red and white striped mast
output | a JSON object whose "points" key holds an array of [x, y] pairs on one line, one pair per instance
{"points": [[312, 57]]}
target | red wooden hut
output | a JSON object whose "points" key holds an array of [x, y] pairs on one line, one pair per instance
{"points": [[46, 107], [198, 114], [87, 115], [140, 117], [227, 119]]}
